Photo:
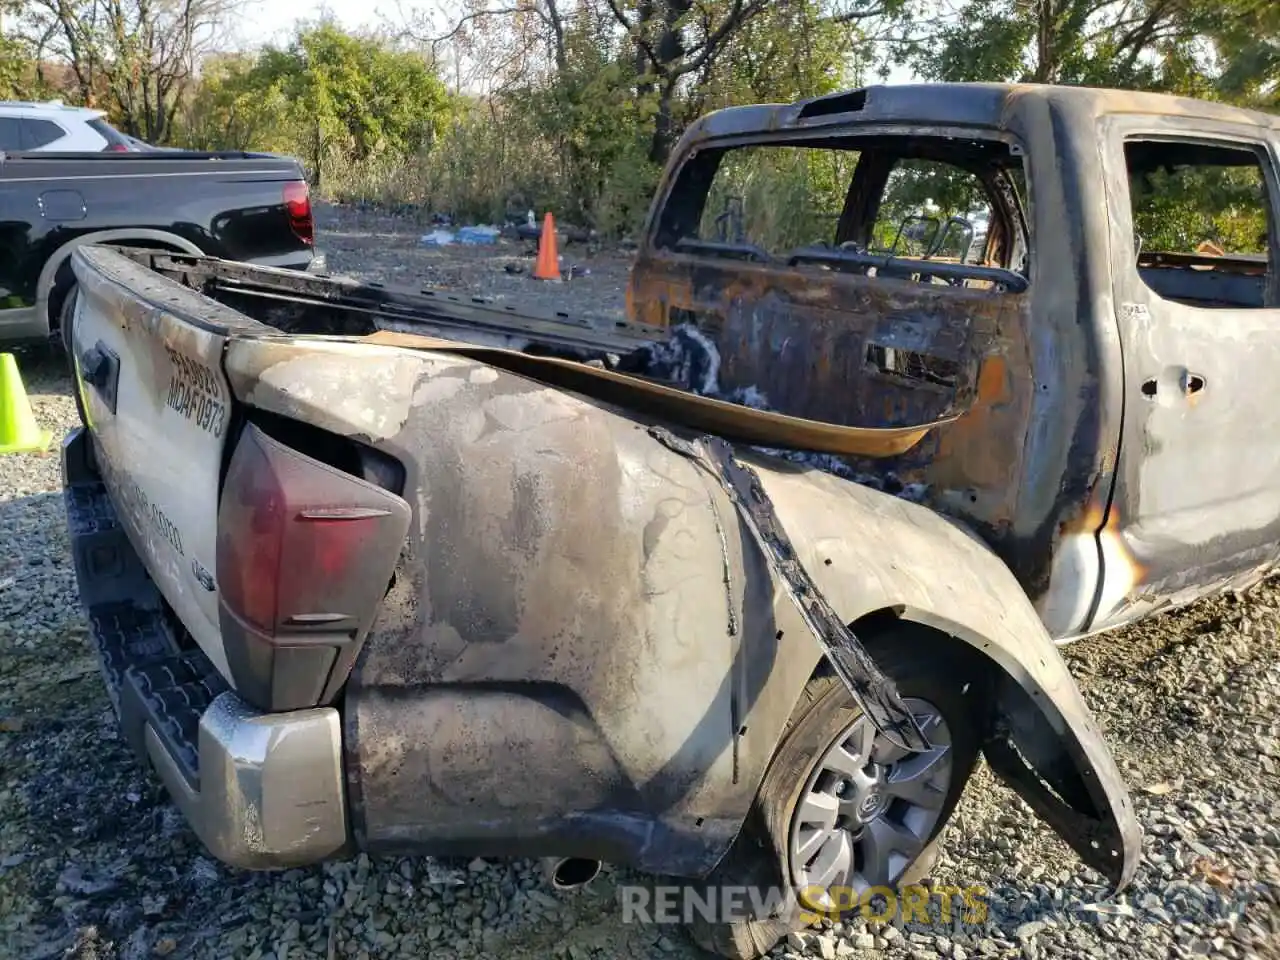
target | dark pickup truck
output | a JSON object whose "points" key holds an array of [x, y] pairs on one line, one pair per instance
{"points": [[737, 589], [239, 206]]}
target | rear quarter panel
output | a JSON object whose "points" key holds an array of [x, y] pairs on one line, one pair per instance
{"points": [[583, 652], [575, 636]]}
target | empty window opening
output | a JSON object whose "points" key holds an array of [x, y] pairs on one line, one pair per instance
{"points": [[913, 365], [774, 199], [1201, 222], [908, 208], [933, 210]]}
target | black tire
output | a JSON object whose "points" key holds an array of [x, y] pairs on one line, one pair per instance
{"points": [[60, 294], [924, 664], [66, 312]]}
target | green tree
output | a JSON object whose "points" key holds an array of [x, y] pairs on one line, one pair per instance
{"points": [[235, 108], [328, 94], [359, 95], [16, 69], [787, 52], [1249, 48], [587, 109], [136, 59], [1171, 45]]}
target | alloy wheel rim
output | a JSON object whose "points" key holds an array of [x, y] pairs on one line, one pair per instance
{"points": [[867, 810]]}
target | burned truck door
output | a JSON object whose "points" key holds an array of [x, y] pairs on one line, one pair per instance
{"points": [[820, 307], [1193, 221], [870, 276]]}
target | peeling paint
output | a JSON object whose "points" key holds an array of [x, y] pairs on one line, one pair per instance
{"points": [[339, 394]]}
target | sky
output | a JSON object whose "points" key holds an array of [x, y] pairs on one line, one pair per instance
{"points": [[271, 21], [265, 21]]}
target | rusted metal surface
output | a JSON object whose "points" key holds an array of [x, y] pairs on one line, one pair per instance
{"points": [[802, 338], [1034, 461], [831, 345]]}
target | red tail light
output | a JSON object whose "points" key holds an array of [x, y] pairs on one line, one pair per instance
{"points": [[304, 556], [297, 206], [115, 148]]}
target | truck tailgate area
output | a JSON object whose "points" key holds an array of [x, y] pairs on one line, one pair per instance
{"points": [[141, 484], [148, 374], [260, 790]]}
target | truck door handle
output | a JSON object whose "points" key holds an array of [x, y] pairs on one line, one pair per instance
{"points": [[1189, 384], [100, 368]]}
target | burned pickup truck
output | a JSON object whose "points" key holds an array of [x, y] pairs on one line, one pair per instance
{"points": [[736, 590], [1090, 304]]}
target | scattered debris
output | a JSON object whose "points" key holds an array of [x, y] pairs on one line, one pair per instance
{"points": [[686, 359], [1218, 876], [437, 238], [441, 874], [73, 880], [475, 236], [478, 236]]}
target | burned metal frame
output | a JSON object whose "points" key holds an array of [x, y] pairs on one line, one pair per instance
{"points": [[838, 324], [871, 688]]}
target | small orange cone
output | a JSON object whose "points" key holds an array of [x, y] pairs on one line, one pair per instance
{"points": [[548, 265]]}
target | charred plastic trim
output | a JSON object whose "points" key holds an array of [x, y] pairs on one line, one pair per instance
{"points": [[874, 692], [1097, 842]]}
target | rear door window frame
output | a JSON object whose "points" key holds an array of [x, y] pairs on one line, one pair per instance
{"points": [[659, 235]]}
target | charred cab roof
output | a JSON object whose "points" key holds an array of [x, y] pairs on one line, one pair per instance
{"points": [[954, 104]]}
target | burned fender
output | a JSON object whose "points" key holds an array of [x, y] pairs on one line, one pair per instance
{"points": [[584, 651], [869, 552]]}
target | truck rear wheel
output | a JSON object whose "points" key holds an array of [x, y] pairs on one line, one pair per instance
{"points": [[842, 809], [66, 312]]}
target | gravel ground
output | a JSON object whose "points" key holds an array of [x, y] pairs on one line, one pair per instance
{"points": [[96, 863]]}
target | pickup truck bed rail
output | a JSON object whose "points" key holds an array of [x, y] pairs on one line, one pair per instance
{"points": [[354, 307]]}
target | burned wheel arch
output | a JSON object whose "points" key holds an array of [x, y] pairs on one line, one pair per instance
{"points": [[1044, 742]]}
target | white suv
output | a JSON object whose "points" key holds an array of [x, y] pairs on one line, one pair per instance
{"points": [[54, 127]]}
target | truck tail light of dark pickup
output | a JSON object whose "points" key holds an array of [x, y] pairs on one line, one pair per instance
{"points": [[305, 552], [297, 204]]}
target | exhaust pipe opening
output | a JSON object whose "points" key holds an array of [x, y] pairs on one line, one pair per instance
{"points": [[568, 873]]}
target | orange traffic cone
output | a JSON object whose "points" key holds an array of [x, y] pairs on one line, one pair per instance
{"points": [[548, 265]]}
